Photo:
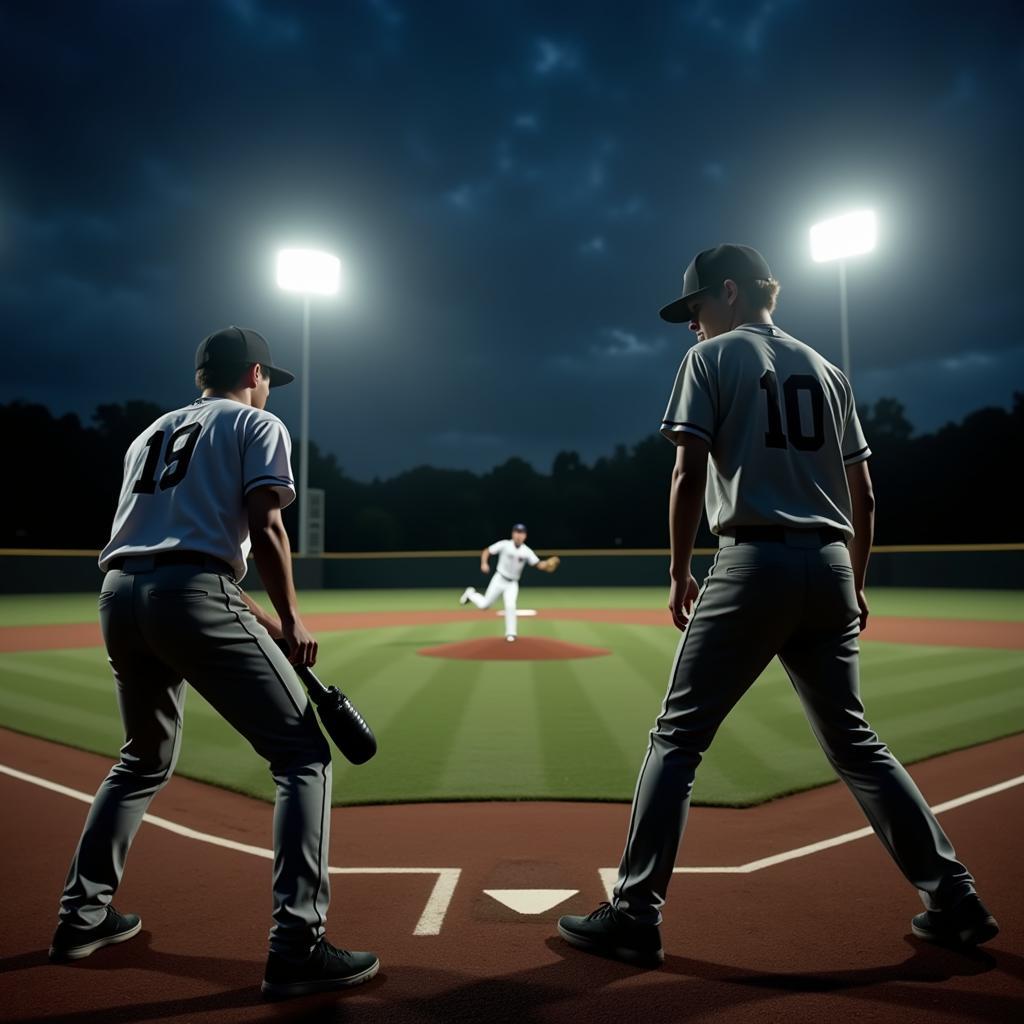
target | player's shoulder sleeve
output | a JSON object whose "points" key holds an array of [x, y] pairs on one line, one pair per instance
{"points": [[497, 547], [267, 455], [692, 407], [855, 445], [531, 555]]}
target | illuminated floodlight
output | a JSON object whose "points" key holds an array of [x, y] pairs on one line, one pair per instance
{"points": [[308, 271], [850, 235]]}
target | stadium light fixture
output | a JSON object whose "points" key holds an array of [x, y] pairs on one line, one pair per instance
{"points": [[838, 238], [309, 273]]}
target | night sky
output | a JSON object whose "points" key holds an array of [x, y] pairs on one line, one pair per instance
{"points": [[514, 189]]}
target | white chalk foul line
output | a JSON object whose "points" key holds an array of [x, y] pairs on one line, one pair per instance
{"points": [[610, 875], [430, 921], [440, 897]]}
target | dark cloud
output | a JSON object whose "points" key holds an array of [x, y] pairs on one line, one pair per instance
{"points": [[515, 189]]}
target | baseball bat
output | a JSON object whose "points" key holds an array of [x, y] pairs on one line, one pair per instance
{"points": [[340, 718]]}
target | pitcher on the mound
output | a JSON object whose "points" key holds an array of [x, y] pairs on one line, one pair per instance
{"points": [[513, 556]]}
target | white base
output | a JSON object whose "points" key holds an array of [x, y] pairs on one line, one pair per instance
{"points": [[520, 612]]}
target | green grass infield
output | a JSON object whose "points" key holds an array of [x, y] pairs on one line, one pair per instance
{"points": [[577, 729]]}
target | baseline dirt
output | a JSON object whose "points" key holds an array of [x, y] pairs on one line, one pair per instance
{"points": [[892, 629], [821, 938], [526, 648]]}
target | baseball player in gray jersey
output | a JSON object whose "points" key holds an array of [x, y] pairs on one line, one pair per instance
{"points": [[789, 495], [201, 486]]}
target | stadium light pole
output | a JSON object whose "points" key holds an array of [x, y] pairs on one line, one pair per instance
{"points": [[309, 273], [837, 239]]}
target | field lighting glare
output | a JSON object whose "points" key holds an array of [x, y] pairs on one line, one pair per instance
{"points": [[850, 235], [308, 271], [834, 240]]}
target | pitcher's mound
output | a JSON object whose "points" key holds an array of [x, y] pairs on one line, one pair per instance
{"points": [[526, 648]]}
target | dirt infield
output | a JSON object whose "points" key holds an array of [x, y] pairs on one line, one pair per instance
{"points": [[893, 629], [526, 648], [809, 937]]}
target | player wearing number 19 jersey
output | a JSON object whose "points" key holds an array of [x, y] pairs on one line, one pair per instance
{"points": [[766, 434], [184, 476], [201, 486]]}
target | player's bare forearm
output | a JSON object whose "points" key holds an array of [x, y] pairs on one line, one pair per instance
{"points": [[266, 620], [862, 498], [485, 561], [272, 552], [686, 503]]}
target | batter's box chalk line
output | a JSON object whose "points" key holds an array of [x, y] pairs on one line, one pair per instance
{"points": [[430, 920], [609, 876]]}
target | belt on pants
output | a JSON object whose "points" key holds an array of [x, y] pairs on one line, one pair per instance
{"points": [[780, 534], [146, 563], [508, 579]]}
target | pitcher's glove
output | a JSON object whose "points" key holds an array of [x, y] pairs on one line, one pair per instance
{"points": [[549, 564]]}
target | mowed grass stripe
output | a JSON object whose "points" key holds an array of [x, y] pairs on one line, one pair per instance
{"points": [[927, 719], [936, 602], [568, 718], [496, 751], [750, 757], [517, 724], [957, 672], [643, 654], [414, 711]]}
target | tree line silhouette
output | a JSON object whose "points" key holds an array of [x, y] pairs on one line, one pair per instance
{"points": [[950, 486]]}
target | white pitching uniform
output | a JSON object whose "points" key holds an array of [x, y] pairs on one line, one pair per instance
{"points": [[512, 559]]}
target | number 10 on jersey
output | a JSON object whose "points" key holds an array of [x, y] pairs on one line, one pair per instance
{"points": [[774, 436]]}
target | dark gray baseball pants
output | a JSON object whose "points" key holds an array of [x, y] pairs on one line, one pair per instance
{"points": [[176, 623], [795, 600]]}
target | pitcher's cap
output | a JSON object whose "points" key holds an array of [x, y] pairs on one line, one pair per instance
{"points": [[709, 269], [240, 346], [519, 526]]}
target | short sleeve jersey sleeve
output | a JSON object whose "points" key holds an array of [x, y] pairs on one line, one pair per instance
{"points": [[855, 445], [531, 556], [497, 547], [267, 458], [691, 408]]}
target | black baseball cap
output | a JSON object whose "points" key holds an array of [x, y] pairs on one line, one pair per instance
{"points": [[240, 346], [516, 527], [709, 269]]}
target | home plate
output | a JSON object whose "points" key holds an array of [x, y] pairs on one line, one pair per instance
{"points": [[520, 612], [530, 901]]}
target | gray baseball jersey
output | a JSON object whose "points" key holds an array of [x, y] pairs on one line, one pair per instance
{"points": [[781, 424], [187, 476], [185, 484]]}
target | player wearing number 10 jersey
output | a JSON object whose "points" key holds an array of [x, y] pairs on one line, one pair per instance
{"points": [[766, 432]]}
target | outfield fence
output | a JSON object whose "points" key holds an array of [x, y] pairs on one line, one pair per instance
{"points": [[971, 566]]}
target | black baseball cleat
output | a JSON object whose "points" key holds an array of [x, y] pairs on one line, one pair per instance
{"points": [[969, 923], [326, 968], [70, 943], [609, 932]]}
